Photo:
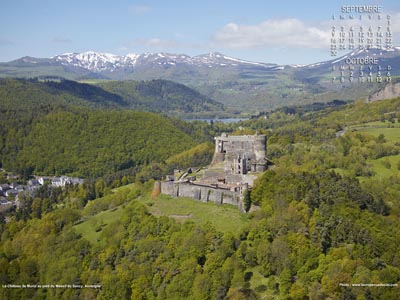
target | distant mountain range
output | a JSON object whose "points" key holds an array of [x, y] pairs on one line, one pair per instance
{"points": [[109, 63], [239, 84], [110, 66], [106, 64]]}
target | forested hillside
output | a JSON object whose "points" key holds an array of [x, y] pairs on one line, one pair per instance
{"points": [[23, 102], [327, 226], [90, 144], [23, 95], [55, 128], [161, 96]]}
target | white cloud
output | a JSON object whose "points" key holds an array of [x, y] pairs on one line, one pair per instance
{"points": [[288, 33], [140, 9], [272, 33]]}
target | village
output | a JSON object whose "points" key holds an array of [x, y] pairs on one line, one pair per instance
{"points": [[11, 191]]}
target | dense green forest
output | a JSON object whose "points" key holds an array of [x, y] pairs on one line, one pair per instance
{"points": [[23, 95], [161, 96], [94, 143], [55, 128], [328, 217]]}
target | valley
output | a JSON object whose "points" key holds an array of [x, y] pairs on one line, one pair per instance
{"points": [[324, 205], [327, 208], [240, 86], [204, 150]]}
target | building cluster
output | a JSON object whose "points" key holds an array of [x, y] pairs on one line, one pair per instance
{"points": [[9, 192]]}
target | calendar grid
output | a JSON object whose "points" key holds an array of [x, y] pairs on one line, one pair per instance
{"points": [[360, 29]]}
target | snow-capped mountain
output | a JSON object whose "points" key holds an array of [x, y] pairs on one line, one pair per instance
{"points": [[96, 65], [104, 63], [94, 61], [231, 81], [150, 65], [101, 62]]}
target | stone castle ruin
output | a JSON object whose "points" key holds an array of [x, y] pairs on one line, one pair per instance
{"points": [[236, 163], [242, 153]]}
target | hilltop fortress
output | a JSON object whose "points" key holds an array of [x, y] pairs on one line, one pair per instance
{"points": [[241, 153], [236, 163]]}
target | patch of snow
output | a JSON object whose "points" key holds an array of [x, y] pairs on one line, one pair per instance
{"points": [[132, 55], [340, 59], [97, 61], [242, 61], [314, 65]]}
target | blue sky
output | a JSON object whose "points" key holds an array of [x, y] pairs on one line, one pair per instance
{"points": [[285, 32]]}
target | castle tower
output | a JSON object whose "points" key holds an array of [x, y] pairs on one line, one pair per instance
{"points": [[219, 153], [240, 165], [260, 148], [251, 148]]}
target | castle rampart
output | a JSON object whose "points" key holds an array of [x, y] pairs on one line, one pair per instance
{"points": [[236, 161]]}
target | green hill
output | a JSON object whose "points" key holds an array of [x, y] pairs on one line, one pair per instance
{"points": [[24, 95], [23, 102], [99, 142], [242, 87], [72, 128], [316, 234], [161, 96]]}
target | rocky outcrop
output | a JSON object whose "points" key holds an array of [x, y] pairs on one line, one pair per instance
{"points": [[391, 90]]}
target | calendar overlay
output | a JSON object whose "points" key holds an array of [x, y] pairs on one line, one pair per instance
{"points": [[359, 29]]}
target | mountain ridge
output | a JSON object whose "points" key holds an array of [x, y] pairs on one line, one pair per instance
{"points": [[240, 85], [102, 61], [159, 96]]}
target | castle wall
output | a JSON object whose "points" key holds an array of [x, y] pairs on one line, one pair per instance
{"points": [[260, 148], [238, 155], [235, 178], [167, 187], [203, 193]]}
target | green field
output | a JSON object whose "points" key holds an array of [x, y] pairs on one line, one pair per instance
{"points": [[225, 218], [374, 125], [92, 227], [261, 284], [386, 166], [383, 167], [391, 134]]}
